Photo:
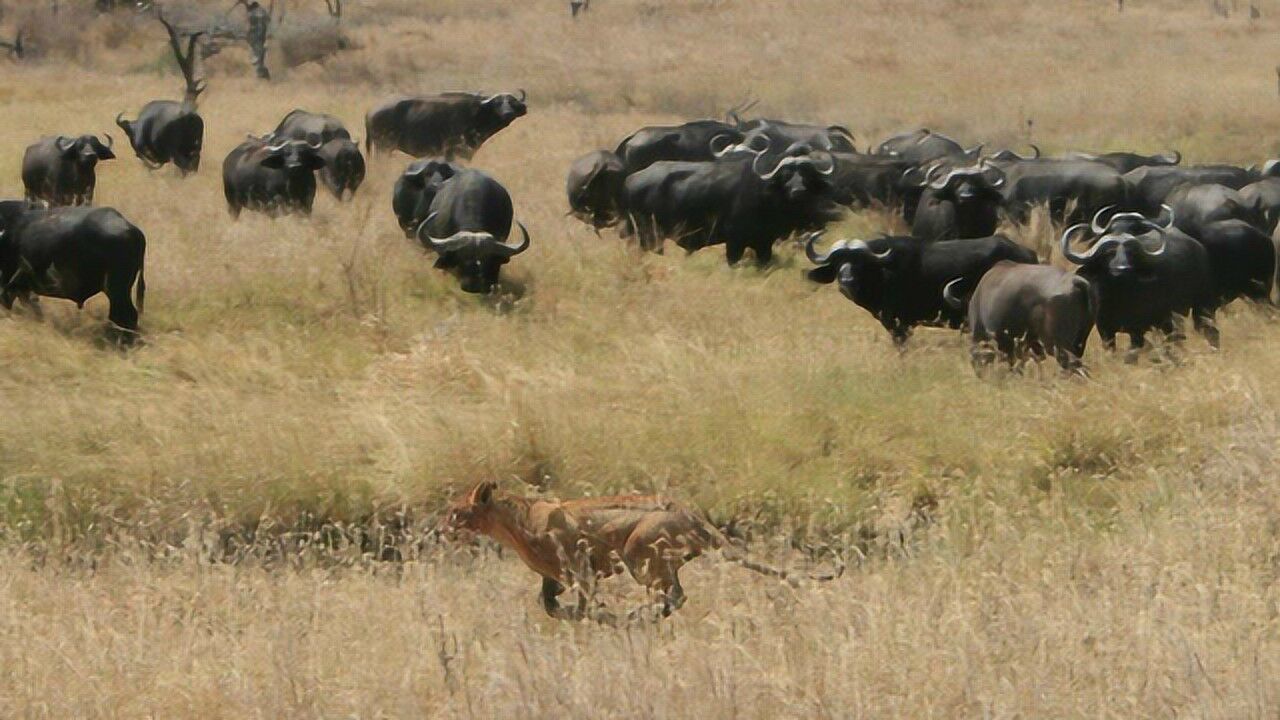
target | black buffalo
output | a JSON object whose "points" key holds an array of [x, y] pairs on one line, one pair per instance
{"points": [[1031, 309], [901, 281], [1150, 186], [468, 226], [73, 253], [923, 146], [694, 141], [960, 203], [61, 170], [594, 187], [1241, 253], [271, 178], [344, 166], [1146, 273], [416, 189], [864, 180], [448, 125], [166, 132], [1127, 161], [1072, 189], [733, 201], [1264, 195]]}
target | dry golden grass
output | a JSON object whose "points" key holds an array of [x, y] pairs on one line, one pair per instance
{"points": [[1028, 545]]}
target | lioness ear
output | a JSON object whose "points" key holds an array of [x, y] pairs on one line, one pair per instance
{"points": [[481, 494]]}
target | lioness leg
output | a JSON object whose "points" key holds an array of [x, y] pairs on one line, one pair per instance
{"points": [[658, 574], [551, 589]]}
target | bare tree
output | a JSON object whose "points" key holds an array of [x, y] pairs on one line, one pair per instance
{"points": [[15, 49], [259, 31], [186, 62]]}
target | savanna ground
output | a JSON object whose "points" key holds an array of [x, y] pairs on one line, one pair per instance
{"points": [[232, 520]]}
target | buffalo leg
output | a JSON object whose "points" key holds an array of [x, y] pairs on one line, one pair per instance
{"points": [[122, 313], [764, 254], [733, 252], [1206, 326], [1137, 341]]}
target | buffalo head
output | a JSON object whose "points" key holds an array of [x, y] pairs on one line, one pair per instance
{"points": [[475, 257], [505, 107], [852, 262], [86, 150], [1119, 245], [965, 184], [593, 186], [293, 157], [427, 176], [344, 166], [800, 174]]}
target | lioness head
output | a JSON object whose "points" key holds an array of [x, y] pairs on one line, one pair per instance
{"points": [[471, 511]]}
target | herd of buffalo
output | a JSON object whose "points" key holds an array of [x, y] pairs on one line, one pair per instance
{"points": [[1153, 240]]}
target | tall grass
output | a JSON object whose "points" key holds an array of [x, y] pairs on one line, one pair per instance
{"points": [[1032, 544]]}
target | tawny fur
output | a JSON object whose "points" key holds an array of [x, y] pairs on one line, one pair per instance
{"points": [[574, 543]]}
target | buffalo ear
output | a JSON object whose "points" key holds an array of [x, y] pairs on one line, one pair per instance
{"points": [[825, 274], [482, 493], [274, 161], [314, 161]]}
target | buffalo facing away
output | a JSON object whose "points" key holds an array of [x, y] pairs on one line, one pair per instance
{"points": [[594, 187], [344, 166], [73, 253], [1242, 256], [1030, 309], [693, 141], [271, 178], [448, 125], [733, 201], [470, 219], [922, 147], [62, 170], [902, 282], [416, 189], [1146, 273], [167, 131]]}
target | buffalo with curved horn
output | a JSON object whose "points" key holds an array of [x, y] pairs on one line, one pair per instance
{"points": [[1146, 273], [344, 166], [62, 170], [902, 282], [448, 125], [739, 201], [961, 203], [269, 178], [467, 227]]}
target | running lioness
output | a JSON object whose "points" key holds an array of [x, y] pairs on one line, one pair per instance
{"points": [[576, 542]]}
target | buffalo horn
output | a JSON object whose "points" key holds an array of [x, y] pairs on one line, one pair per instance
{"points": [[505, 250]]}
